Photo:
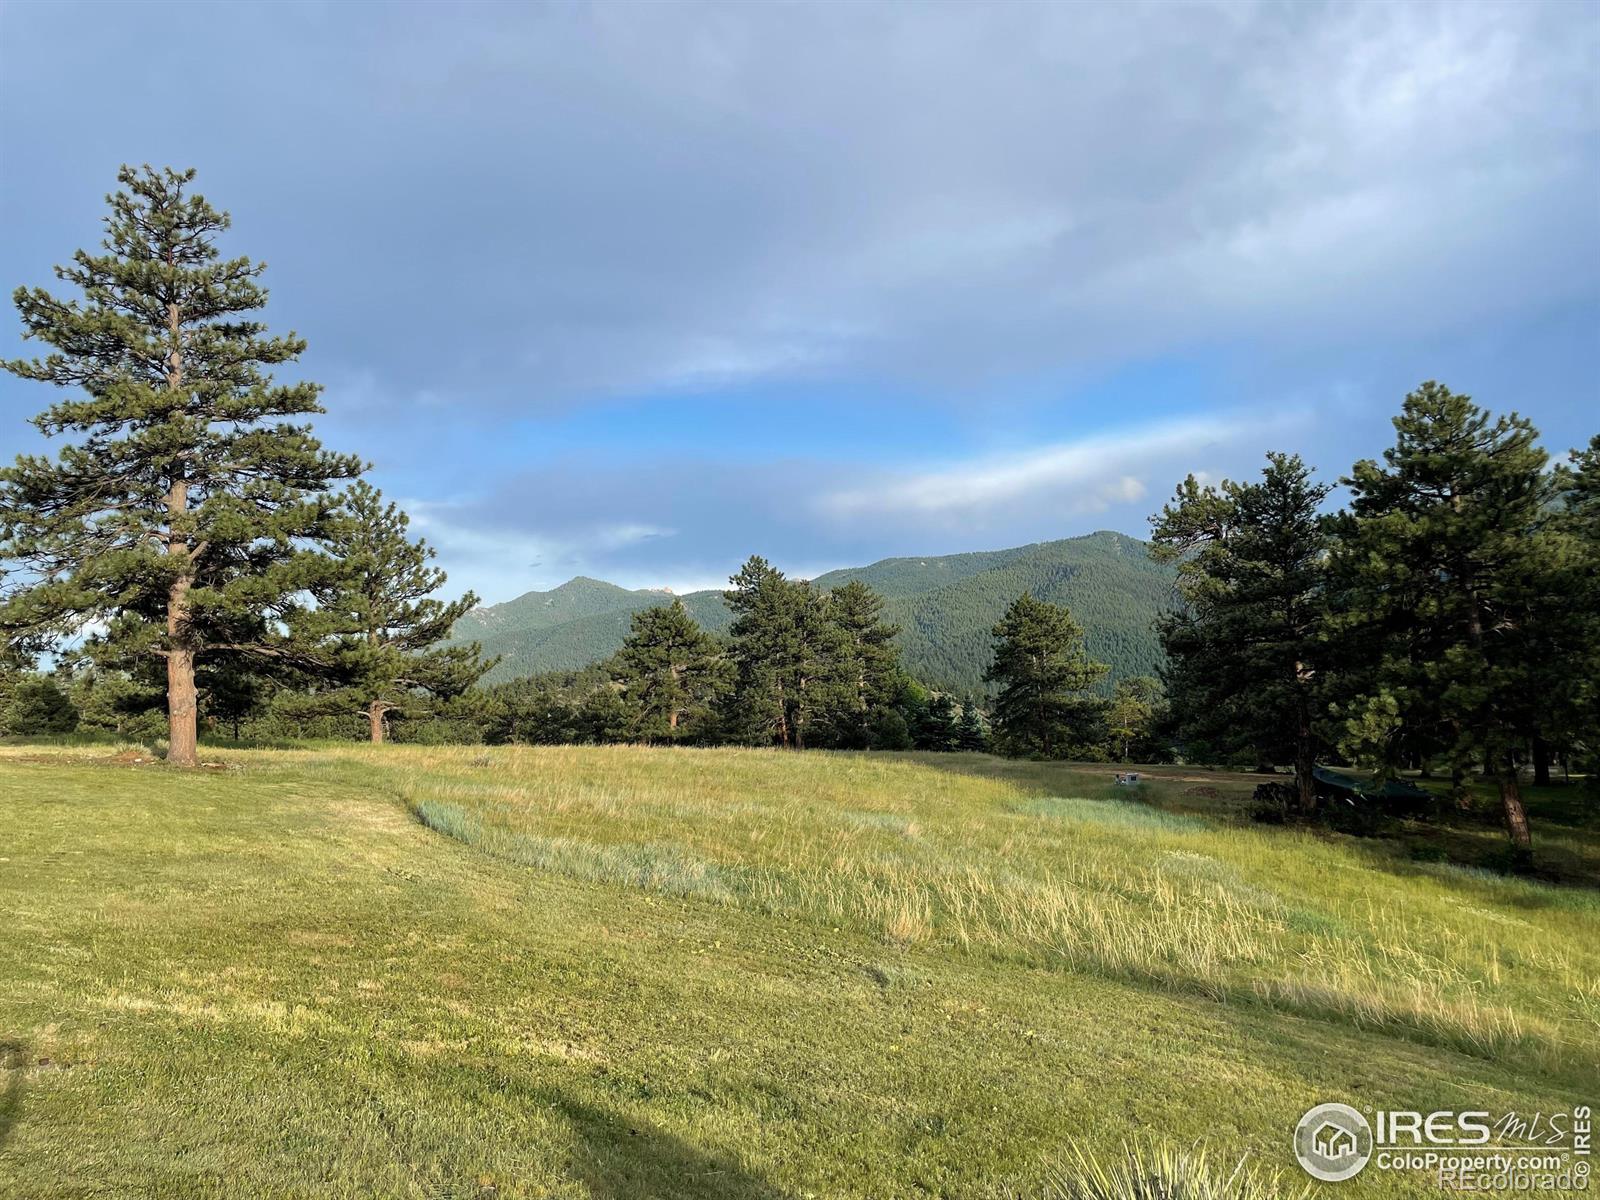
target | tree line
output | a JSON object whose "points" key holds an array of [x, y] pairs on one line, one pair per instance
{"points": [[801, 668]]}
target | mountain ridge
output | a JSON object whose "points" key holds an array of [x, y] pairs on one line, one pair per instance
{"points": [[944, 604]]}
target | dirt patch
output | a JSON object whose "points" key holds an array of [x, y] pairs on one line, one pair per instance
{"points": [[129, 758], [144, 758]]}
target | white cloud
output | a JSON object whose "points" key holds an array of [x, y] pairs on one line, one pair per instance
{"points": [[1084, 476], [500, 561]]}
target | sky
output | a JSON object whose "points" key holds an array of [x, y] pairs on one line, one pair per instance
{"points": [[637, 290]]}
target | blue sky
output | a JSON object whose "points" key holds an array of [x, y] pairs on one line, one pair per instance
{"points": [[637, 290]]}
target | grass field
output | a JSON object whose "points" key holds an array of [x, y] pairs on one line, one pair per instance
{"points": [[625, 972]]}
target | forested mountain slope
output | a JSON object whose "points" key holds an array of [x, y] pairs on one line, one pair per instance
{"points": [[945, 607]]}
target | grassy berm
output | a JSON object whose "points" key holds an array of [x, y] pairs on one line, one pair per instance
{"points": [[626, 972]]}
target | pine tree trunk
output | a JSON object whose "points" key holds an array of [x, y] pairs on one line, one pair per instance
{"points": [[1541, 762], [183, 702], [783, 718], [375, 721], [1305, 759], [183, 739], [183, 735], [1516, 814]]}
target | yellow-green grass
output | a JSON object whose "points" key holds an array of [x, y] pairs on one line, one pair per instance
{"points": [[629, 972]]}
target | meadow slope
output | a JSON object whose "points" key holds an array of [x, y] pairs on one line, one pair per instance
{"points": [[620, 972]]}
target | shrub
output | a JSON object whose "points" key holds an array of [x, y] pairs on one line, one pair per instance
{"points": [[1152, 1171], [39, 707]]}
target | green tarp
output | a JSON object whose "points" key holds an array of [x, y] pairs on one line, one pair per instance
{"points": [[1355, 786]]}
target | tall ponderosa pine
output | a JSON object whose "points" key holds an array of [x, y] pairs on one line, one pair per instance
{"points": [[869, 661], [385, 624], [1564, 616], [180, 519], [1044, 674], [668, 669], [1252, 575], [785, 651], [1446, 561]]}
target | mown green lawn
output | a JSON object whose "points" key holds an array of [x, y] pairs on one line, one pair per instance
{"points": [[620, 972]]}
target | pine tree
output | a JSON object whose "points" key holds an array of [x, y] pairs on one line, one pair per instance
{"points": [[114, 702], [1447, 562], [668, 669], [890, 730], [970, 733], [1043, 672], [379, 610], [1578, 656], [180, 519], [1564, 615], [937, 729], [1132, 716], [869, 662], [231, 694], [40, 707], [1253, 578], [786, 652], [603, 717]]}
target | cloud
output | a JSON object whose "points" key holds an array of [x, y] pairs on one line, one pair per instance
{"points": [[598, 516], [637, 290], [498, 561], [502, 208], [1087, 475]]}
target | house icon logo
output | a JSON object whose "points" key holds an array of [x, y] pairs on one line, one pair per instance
{"points": [[1333, 1142]]}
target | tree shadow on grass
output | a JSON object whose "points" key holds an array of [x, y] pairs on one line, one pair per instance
{"points": [[1566, 837], [13, 1058], [1216, 794], [620, 1157], [1413, 848]]}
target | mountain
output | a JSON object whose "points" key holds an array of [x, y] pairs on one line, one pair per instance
{"points": [[945, 607]]}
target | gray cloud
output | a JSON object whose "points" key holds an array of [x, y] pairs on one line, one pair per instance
{"points": [[486, 212], [542, 204]]}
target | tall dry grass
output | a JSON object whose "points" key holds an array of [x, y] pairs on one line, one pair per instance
{"points": [[923, 857]]}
